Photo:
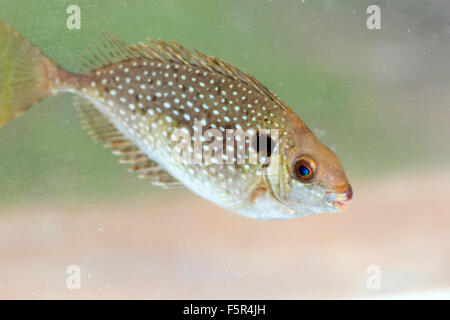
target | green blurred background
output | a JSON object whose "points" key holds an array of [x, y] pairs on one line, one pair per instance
{"points": [[378, 97]]}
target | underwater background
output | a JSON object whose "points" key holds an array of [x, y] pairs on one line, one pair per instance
{"points": [[379, 98]]}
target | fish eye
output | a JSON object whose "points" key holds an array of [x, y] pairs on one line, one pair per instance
{"points": [[304, 168]]}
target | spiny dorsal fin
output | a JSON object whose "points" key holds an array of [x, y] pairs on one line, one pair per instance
{"points": [[110, 50], [98, 127], [174, 52]]}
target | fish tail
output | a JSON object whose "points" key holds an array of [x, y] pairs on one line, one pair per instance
{"points": [[27, 76]]}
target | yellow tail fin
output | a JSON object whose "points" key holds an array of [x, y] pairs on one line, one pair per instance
{"points": [[26, 74]]}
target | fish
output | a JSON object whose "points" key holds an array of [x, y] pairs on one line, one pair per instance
{"points": [[151, 101]]}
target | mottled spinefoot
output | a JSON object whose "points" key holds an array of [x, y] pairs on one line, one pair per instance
{"points": [[133, 99]]}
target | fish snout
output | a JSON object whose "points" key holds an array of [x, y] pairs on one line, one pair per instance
{"points": [[341, 198], [347, 194]]}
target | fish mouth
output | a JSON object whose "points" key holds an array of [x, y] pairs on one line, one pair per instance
{"points": [[340, 205], [340, 199]]}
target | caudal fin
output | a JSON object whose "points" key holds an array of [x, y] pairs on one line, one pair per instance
{"points": [[26, 74]]}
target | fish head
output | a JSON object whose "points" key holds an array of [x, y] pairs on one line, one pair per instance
{"points": [[305, 177]]}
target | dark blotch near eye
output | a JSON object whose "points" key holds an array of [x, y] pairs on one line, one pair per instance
{"points": [[263, 144]]}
